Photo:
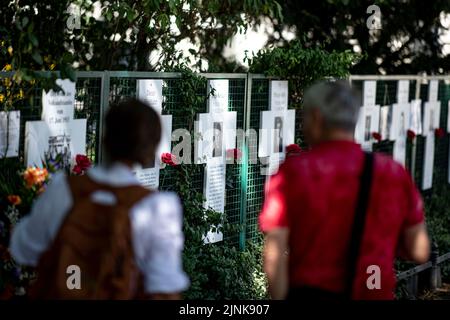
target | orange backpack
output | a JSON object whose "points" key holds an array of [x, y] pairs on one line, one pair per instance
{"points": [[94, 239]]}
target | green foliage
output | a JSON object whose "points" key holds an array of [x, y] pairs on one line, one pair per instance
{"points": [[407, 43], [302, 66], [224, 272], [125, 32], [437, 208], [437, 216]]}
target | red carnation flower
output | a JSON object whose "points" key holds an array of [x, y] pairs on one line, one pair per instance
{"points": [[82, 163], [235, 154], [376, 136], [293, 149], [77, 170], [169, 159], [411, 134], [439, 132]]}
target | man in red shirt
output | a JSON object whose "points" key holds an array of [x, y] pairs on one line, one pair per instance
{"points": [[310, 205]]}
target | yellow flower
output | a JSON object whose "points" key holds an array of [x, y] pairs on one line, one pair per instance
{"points": [[52, 66], [7, 67], [7, 82], [2, 97], [20, 95], [10, 50]]}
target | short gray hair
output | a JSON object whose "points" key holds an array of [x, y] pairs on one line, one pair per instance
{"points": [[336, 101]]}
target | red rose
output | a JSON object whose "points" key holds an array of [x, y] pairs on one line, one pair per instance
{"points": [[77, 170], [411, 134], [293, 149], [376, 136], [169, 159], [235, 154], [439, 132], [83, 162]]}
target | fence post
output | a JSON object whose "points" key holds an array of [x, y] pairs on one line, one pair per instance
{"points": [[104, 103], [435, 274], [244, 162], [414, 141]]}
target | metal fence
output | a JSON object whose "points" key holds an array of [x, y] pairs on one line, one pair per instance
{"points": [[248, 96]]}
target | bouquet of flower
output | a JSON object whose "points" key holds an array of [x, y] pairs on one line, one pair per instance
{"points": [[16, 198]]}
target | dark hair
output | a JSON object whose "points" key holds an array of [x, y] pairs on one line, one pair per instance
{"points": [[132, 132]]}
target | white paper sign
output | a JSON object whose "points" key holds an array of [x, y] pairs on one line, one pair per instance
{"points": [[277, 132], [9, 134], [278, 90], [433, 87], [58, 107], [368, 123], [400, 121], [403, 91], [215, 194], [385, 122], [149, 176], [218, 99], [277, 128], [218, 134], [431, 116], [428, 161], [150, 91], [44, 142], [416, 116], [369, 92]]}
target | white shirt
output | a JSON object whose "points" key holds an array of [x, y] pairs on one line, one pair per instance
{"points": [[156, 223]]}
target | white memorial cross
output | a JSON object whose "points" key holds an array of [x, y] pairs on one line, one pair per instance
{"points": [[432, 111], [216, 132], [401, 114], [150, 91], [59, 134], [277, 127], [369, 116]]}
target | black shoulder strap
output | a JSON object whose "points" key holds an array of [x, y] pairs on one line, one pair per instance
{"points": [[359, 221]]}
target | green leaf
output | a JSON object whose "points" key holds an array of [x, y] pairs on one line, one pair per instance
{"points": [[33, 39], [25, 21], [37, 57]]}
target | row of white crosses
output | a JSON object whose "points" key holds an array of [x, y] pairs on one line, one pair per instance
{"points": [[58, 134], [393, 123]]}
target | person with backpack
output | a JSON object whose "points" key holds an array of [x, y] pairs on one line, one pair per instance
{"points": [[102, 235], [335, 218]]}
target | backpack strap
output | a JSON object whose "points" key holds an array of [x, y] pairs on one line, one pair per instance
{"points": [[359, 221]]}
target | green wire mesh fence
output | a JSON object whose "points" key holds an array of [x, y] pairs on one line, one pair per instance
{"points": [[248, 96]]}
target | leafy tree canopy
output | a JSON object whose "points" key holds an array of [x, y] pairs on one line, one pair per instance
{"points": [[121, 34], [408, 41]]}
